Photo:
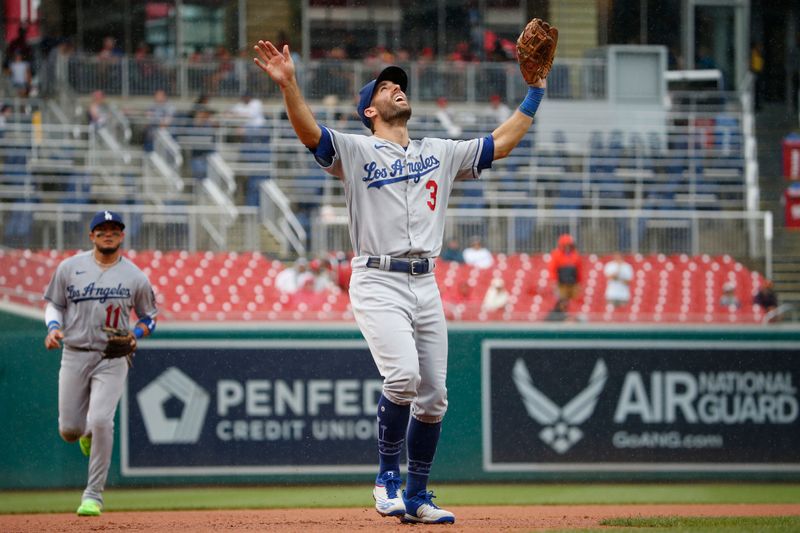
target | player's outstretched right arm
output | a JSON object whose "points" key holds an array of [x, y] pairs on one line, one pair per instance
{"points": [[280, 67], [53, 317]]}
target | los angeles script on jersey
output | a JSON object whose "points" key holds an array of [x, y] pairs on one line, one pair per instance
{"points": [[101, 294], [399, 170]]}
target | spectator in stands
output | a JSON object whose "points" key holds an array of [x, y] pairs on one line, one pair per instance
{"points": [[255, 142], [98, 110], [452, 252], [335, 75], [757, 68], [250, 111], [766, 298], [57, 59], [291, 279], [728, 299], [704, 59], [20, 73], [204, 132], [496, 296], [342, 270], [200, 104], [109, 51], [462, 298], [674, 59], [618, 275], [323, 278], [159, 116], [109, 67], [498, 111], [445, 118], [307, 296], [565, 268], [477, 255], [223, 78], [18, 44], [559, 313], [5, 117]]}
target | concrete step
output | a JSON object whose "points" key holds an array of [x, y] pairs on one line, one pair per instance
{"points": [[577, 24], [785, 267], [788, 297]]}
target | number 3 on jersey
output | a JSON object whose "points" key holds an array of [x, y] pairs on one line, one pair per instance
{"points": [[433, 187], [112, 316]]}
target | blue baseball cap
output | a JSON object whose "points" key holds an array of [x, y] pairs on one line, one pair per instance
{"points": [[101, 217], [391, 73]]}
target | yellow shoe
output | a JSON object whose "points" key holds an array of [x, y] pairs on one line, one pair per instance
{"points": [[85, 443], [90, 508]]}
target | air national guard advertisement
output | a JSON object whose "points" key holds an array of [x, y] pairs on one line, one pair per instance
{"points": [[640, 406]]}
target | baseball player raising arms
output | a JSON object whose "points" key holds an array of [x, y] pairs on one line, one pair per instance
{"points": [[90, 298], [397, 191]]}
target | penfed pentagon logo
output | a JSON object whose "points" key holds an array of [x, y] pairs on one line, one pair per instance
{"points": [[621, 406]]}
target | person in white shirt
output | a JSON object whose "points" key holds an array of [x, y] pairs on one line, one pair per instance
{"points": [[496, 296], [619, 275], [728, 299], [291, 279], [250, 110], [477, 255], [20, 70]]}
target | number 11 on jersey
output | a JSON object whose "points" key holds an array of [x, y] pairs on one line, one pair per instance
{"points": [[112, 316]]}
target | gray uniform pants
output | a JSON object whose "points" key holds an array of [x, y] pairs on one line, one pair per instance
{"points": [[89, 388], [402, 320]]}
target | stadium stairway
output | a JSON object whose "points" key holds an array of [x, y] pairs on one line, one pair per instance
{"points": [[773, 123], [786, 266]]}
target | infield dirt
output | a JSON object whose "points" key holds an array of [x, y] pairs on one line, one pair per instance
{"points": [[468, 519]]}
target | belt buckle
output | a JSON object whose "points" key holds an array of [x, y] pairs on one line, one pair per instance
{"points": [[413, 267]]}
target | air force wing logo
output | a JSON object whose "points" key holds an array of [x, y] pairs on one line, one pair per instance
{"points": [[560, 430]]}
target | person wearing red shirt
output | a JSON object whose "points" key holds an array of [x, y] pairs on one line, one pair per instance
{"points": [[565, 268]]}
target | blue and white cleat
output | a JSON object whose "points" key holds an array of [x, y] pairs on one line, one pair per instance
{"points": [[420, 509], [388, 500]]}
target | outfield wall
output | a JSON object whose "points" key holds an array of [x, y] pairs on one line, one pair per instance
{"points": [[295, 403]]}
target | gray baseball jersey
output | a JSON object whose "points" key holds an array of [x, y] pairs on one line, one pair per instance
{"points": [[89, 386], [91, 297], [397, 197]]}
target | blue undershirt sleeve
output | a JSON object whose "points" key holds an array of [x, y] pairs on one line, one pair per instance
{"points": [[487, 153], [324, 151]]}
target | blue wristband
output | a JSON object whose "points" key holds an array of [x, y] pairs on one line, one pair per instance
{"points": [[138, 332], [532, 100], [53, 324]]}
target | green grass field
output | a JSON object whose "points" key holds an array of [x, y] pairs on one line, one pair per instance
{"points": [[264, 497], [728, 524]]}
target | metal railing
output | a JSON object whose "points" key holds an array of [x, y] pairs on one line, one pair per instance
{"points": [[596, 231], [428, 80], [167, 227], [277, 216], [166, 147]]}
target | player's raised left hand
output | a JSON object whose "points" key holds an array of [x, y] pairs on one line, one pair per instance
{"points": [[278, 64]]}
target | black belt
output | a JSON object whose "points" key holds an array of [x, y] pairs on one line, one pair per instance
{"points": [[415, 267], [76, 349]]}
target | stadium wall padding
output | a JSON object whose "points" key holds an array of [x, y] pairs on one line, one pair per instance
{"points": [[293, 403]]}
